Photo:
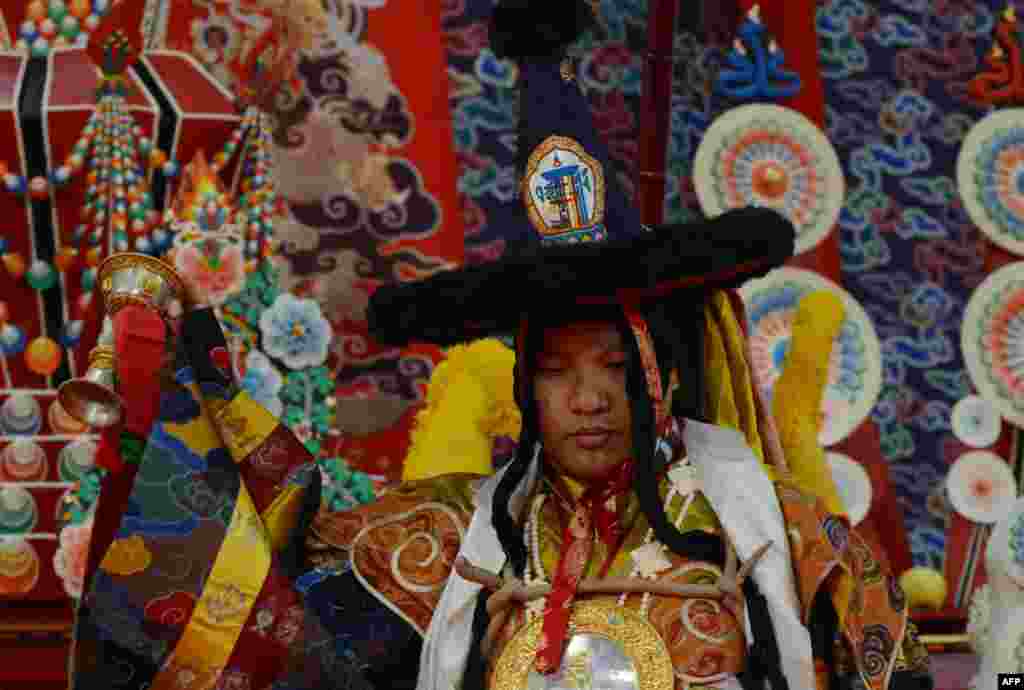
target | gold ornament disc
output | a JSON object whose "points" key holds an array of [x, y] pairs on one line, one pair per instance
{"points": [[610, 647]]}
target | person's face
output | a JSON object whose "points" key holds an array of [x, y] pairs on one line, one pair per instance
{"points": [[582, 409]]}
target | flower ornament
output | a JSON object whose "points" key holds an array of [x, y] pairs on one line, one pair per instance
{"points": [[263, 382], [650, 560], [215, 266], [72, 555], [295, 331], [208, 250]]}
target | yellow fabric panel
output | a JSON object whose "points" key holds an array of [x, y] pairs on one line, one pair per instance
{"points": [[282, 516], [730, 398], [224, 605], [244, 425]]}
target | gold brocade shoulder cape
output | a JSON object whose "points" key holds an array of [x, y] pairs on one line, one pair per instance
{"points": [[402, 548]]}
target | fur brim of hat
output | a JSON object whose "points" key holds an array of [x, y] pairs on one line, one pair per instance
{"points": [[523, 29], [490, 299]]}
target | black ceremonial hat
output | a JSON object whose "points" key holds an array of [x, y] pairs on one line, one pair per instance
{"points": [[575, 237]]}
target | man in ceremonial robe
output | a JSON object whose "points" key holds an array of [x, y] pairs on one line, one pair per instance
{"points": [[647, 533]]}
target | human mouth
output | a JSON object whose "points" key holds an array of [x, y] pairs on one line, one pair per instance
{"points": [[592, 439]]}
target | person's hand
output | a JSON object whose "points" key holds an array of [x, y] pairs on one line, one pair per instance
{"points": [[194, 298]]}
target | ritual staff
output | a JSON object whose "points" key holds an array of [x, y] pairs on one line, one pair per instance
{"points": [[646, 534]]}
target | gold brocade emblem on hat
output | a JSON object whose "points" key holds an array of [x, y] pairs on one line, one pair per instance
{"points": [[609, 647], [564, 192]]}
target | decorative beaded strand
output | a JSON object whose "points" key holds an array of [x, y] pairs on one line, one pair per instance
{"points": [[258, 201]]}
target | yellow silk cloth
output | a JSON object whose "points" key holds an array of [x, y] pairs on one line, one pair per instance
{"points": [[245, 426], [728, 380]]}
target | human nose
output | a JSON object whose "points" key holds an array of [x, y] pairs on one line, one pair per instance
{"points": [[588, 396]]}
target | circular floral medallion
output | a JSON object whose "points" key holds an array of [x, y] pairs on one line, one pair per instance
{"points": [[990, 172], [975, 422], [768, 155], [855, 370], [853, 484], [992, 339], [981, 486]]}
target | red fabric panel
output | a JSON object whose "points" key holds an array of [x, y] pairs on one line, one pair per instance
{"points": [[140, 344], [110, 507]]}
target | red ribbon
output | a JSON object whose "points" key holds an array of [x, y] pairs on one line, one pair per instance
{"points": [[595, 510], [108, 453], [140, 346]]}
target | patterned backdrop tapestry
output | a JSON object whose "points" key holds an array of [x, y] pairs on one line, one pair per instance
{"points": [[363, 157], [895, 76], [391, 175]]}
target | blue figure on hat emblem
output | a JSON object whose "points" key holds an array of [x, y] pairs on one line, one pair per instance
{"points": [[564, 192]]}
